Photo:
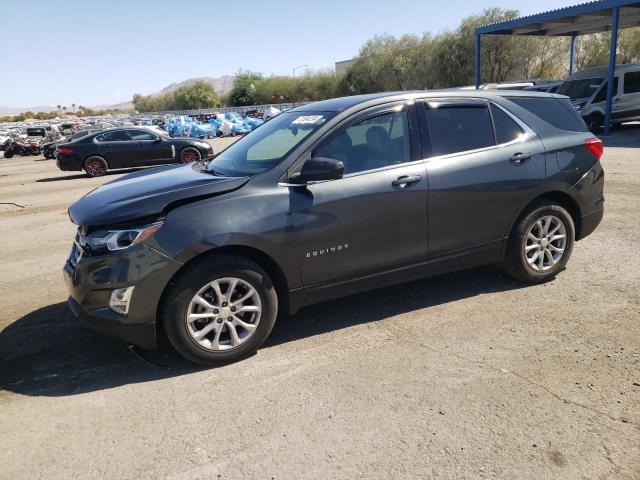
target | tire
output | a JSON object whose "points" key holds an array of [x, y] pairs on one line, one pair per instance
{"points": [[521, 248], [594, 123], [8, 153], [95, 166], [189, 155], [218, 348]]}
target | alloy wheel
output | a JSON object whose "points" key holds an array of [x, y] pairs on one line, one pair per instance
{"points": [[95, 166], [545, 243], [224, 314], [189, 155]]}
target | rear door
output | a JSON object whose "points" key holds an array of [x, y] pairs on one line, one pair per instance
{"points": [[483, 164]]}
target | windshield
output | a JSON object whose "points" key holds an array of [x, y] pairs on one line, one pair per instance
{"points": [[580, 88], [263, 148]]}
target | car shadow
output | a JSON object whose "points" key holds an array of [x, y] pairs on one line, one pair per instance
{"points": [[48, 353], [84, 175]]}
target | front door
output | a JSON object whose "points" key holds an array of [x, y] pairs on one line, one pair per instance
{"points": [[374, 218], [150, 149], [116, 147]]}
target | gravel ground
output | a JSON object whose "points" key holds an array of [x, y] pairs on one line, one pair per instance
{"points": [[467, 375]]}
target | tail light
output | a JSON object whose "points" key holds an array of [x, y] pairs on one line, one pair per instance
{"points": [[65, 150], [595, 146]]}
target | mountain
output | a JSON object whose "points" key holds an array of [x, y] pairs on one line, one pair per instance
{"points": [[17, 110], [222, 85]]}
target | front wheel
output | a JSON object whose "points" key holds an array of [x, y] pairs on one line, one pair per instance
{"points": [[540, 244], [8, 153], [219, 310]]}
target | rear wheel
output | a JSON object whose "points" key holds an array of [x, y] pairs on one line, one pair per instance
{"points": [[220, 310], [189, 154], [8, 153], [541, 243], [95, 166]]}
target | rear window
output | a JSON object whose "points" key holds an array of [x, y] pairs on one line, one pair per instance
{"points": [[557, 111]]}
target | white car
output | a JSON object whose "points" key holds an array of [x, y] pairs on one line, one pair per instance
{"points": [[588, 92]]}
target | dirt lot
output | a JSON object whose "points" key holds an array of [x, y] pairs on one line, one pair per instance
{"points": [[468, 375]]}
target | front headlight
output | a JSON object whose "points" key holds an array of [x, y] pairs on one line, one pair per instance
{"points": [[112, 240]]}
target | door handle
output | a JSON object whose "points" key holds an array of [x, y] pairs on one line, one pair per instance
{"points": [[521, 157], [406, 180]]}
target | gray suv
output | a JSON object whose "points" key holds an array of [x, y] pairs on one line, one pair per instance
{"points": [[330, 199]]}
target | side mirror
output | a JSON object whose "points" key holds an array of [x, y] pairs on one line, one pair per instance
{"points": [[317, 169], [158, 139]]}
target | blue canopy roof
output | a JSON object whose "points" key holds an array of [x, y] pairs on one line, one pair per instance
{"points": [[590, 17]]}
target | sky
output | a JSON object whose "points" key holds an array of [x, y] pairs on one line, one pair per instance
{"points": [[91, 52]]}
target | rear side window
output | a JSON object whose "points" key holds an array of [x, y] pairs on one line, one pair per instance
{"points": [[459, 129], [506, 128], [115, 136], [632, 82], [557, 111]]}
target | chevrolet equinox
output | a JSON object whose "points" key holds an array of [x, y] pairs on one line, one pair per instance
{"points": [[329, 199]]}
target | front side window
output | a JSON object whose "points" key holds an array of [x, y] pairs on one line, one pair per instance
{"points": [[141, 135], [373, 143], [632, 82], [266, 146], [115, 136], [602, 94], [456, 129]]}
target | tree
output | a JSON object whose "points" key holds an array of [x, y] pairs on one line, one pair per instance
{"points": [[73, 105], [244, 88], [189, 97], [197, 95]]}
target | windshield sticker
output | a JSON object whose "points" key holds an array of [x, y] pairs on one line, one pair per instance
{"points": [[307, 119]]}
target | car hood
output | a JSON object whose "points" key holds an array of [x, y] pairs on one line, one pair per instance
{"points": [[148, 192]]}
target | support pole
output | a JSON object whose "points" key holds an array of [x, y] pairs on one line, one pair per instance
{"points": [[477, 60], [615, 16], [572, 53]]}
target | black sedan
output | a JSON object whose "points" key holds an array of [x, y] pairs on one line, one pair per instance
{"points": [[128, 147]]}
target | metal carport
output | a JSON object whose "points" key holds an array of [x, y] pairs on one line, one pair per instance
{"points": [[591, 17]]}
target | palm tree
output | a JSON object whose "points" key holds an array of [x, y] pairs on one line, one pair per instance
{"points": [[59, 107], [64, 109], [73, 105]]}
